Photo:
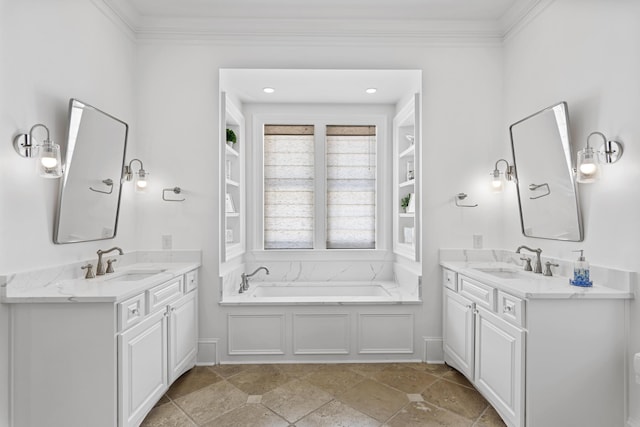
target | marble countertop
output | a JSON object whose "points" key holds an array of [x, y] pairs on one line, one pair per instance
{"points": [[530, 285], [107, 288]]}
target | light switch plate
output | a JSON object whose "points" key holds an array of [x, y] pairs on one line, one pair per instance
{"points": [[167, 241]]}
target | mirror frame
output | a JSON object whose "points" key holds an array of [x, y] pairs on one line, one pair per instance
{"points": [[69, 149], [569, 160]]}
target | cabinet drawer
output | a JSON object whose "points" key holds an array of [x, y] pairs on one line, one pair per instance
{"points": [[191, 281], [511, 308], [483, 295], [164, 294], [449, 279], [131, 311]]}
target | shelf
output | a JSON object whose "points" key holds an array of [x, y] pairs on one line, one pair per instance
{"points": [[232, 214], [409, 152], [407, 215], [233, 183], [231, 151], [407, 183], [405, 246]]}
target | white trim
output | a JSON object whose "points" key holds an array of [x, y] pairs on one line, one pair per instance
{"points": [[433, 349], [207, 347], [384, 350], [270, 351], [346, 317], [117, 17]]}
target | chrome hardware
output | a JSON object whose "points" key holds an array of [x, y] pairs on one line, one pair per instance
{"points": [[244, 286], [100, 268], [534, 187], [108, 182], [527, 263], [89, 268], [460, 197], [468, 307], [134, 311], [538, 268], [476, 312], [507, 309], [175, 190], [547, 270], [110, 265]]}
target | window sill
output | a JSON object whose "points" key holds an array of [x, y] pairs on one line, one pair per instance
{"points": [[322, 255]]}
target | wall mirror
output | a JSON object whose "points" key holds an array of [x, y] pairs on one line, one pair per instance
{"points": [[91, 185], [546, 186]]}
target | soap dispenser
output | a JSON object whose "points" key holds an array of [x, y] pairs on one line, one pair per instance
{"points": [[581, 272]]}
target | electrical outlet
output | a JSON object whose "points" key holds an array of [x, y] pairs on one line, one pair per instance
{"points": [[477, 241], [167, 241]]}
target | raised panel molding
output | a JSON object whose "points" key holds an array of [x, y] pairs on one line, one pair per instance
{"points": [[250, 334], [321, 333], [385, 333]]}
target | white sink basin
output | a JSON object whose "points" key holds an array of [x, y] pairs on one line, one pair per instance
{"points": [[134, 275], [502, 273]]}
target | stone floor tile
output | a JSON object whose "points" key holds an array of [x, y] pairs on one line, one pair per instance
{"points": [[415, 397], [334, 380], [368, 369], [457, 378], [490, 418], [164, 399], [192, 380], [456, 398], [374, 399], [295, 399], [226, 371], [298, 370], [167, 415], [249, 415], [422, 414], [437, 369], [259, 380], [337, 414], [405, 379], [211, 401]]}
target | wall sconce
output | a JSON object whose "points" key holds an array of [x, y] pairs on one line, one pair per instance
{"points": [[498, 178], [142, 180], [588, 168], [49, 164]]}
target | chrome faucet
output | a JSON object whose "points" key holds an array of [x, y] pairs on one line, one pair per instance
{"points": [[538, 267], [244, 286], [100, 270]]}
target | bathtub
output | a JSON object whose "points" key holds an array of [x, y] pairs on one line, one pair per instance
{"points": [[322, 293]]}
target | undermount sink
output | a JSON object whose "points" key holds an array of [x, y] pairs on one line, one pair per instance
{"points": [[134, 275], [502, 273]]}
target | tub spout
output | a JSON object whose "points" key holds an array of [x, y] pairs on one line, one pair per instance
{"points": [[244, 286]]}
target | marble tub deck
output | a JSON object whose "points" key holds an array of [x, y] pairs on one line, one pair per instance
{"points": [[313, 395]]}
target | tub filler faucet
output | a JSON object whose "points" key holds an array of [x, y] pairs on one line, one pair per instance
{"points": [[244, 286]]}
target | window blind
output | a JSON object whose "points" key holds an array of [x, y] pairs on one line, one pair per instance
{"points": [[288, 187], [351, 187]]}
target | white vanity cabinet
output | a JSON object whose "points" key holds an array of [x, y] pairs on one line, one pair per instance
{"points": [[540, 361], [101, 363]]}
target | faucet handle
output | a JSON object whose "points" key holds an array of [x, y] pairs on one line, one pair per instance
{"points": [[527, 263], [547, 270], [110, 265], [89, 268]]}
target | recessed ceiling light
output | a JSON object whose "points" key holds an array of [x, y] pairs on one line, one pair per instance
{"points": [[268, 90], [371, 90]]}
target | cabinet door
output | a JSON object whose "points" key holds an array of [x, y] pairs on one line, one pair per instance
{"points": [[182, 335], [499, 365], [142, 368], [458, 332]]}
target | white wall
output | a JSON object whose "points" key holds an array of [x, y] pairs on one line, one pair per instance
{"points": [[586, 53], [178, 133], [52, 51]]}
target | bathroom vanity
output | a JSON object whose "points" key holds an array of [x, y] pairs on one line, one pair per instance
{"points": [[542, 352], [101, 351]]}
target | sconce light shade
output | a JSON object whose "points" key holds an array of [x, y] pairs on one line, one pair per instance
{"points": [[49, 164], [141, 179], [498, 178], [588, 170], [588, 162]]}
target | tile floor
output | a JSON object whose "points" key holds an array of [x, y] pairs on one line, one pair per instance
{"points": [[327, 395]]}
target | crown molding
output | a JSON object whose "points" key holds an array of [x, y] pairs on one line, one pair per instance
{"points": [[321, 31]]}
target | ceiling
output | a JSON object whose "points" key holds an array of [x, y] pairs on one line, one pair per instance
{"points": [[322, 17]]}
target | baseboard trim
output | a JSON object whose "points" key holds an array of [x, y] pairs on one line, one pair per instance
{"points": [[433, 350], [207, 352]]}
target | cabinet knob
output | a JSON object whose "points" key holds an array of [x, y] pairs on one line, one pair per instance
{"points": [[134, 311], [507, 309], [469, 307]]}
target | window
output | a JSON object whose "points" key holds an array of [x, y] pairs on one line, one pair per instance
{"points": [[319, 190]]}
